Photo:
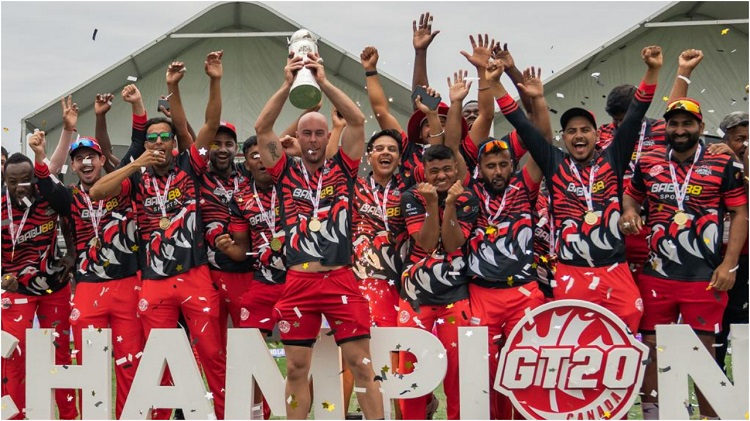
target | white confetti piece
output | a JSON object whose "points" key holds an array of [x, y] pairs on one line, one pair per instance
{"points": [[654, 392], [570, 285], [265, 320], [552, 283], [202, 298], [64, 169], [132, 79], [121, 361], [344, 299], [524, 291], [611, 268], [542, 221], [684, 78], [360, 390], [573, 238], [203, 329], [710, 111], [594, 283], [717, 328], [737, 165], [206, 309], [297, 312], [26, 200], [559, 95], [454, 273], [86, 161], [653, 293], [441, 355], [469, 333], [595, 74], [74, 352], [365, 361]]}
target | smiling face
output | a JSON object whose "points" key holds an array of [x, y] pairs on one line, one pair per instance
{"points": [[736, 138], [18, 177], [161, 142], [87, 164], [496, 170], [312, 133], [384, 157], [470, 112], [222, 152], [683, 131], [580, 138], [441, 173]]}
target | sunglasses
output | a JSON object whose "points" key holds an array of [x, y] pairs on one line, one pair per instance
{"points": [[84, 142], [685, 105], [153, 137], [493, 146]]}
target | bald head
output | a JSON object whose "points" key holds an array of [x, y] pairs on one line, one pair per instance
{"points": [[313, 117], [312, 133]]}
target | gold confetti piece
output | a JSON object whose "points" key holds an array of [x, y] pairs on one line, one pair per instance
{"points": [[305, 265], [449, 306], [5, 129], [385, 368], [665, 98], [179, 268], [725, 31]]}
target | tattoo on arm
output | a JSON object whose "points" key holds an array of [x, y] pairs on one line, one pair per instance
{"points": [[273, 148]]}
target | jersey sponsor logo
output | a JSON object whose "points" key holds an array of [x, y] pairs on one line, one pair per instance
{"points": [[258, 217], [368, 209], [143, 305], [244, 314], [111, 204], [655, 170], [692, 189], [299, 193], [571, 359], [173, 194], [37, 231], [578, 190], [284, 326], [74, 314]]}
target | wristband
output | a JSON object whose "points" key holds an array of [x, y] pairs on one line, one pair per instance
{"points": [[371, 73], [437, 135], [684, 78]]}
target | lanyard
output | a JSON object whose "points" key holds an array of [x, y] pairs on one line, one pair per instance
{"points": [[679, 192], [316, 200], [491, 219], [161, 199], [640, 147], [269, 220], [96, 217], [384, 206], [15, 235], [586, 190], [224, 190]]}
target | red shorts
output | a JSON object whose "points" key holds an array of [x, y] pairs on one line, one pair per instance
{"points": [[383, 299], [500, 309], [333, 294], [664, 300], [614, 289], [256, 305]]}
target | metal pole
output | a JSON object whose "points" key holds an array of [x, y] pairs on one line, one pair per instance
{"points": [[695, 23]]}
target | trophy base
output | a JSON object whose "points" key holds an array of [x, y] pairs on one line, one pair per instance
{"points": [[305, 96]]}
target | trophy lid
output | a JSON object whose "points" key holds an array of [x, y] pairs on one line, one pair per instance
{"points": [[302, 34]]}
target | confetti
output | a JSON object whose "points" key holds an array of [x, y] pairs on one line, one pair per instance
{"points": [[559, 95], [93, 37], [5, 129], [344, 299], [665, 98], [132, 79], [595, 74], [121, 361], [297, 312], [665, 369], [594, 283], [469, 333], [611, 268], [209, 395], [725, 31], [329, 406], [365, 361]]}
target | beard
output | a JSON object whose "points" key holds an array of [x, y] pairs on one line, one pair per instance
{"points": [[686, 146]]}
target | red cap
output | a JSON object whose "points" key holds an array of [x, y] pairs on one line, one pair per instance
{"points": [[415, 123], [228, 127]]}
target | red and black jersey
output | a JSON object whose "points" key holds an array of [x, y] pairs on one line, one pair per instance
{"points": [[693, 251], [377, 247], [434, 277], [579, 243], [543, 235], [411, 169], [179, 248], [220, 203], [269, 265], [36, 260], [332, 244], [501, 246], [654, 138]]}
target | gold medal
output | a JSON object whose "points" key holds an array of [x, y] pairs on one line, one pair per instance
{"points": [[164, 223], [591, 218], [680, 218], [97, 243], [239, 199], [275, 244], [315, 225]]}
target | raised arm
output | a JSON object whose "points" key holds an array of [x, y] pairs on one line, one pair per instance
{"points": [[54, 193], [111, 184], [268, 142], [687, 62], [450, 232], [457, 92], [70, 119], [353, 138], [132, 95], [102, 105], [175, 72], [376, 95], [429, 234], [533, 89], [479, 58], [421, 39], [168, 114], [214, 70], [339, 125], [515, 75]]}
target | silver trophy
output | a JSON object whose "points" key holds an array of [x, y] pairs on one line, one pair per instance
{"points": [[305, 92]]}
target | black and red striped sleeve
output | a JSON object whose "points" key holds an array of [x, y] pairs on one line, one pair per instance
{"points": [[137, 140], [56, 194], [413, 210], [732, 185], [628, 131]]}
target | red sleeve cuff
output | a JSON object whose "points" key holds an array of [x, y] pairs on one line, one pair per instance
{"points": [[139, 121], [735, 198], [645, 93], [41, 170], [238, 226], [507, 104], [414, 227]]}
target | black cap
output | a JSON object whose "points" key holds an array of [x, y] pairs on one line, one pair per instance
{"points": [[577, 112]]}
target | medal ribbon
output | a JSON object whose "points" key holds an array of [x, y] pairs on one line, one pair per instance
{"points": [[491, 220], [640, 147], [96, 217], [162, 199], [315, 201], [225, 192], [586, 190], [270, 221], [15, 235], [384, 206], [679, 193]]}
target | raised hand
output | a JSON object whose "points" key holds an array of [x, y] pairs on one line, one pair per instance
{"points": [[213, 66], [167, 113], [315, 64], [532, 83], [503, 56], [293, 65], [456, 189], [37, 142], [460, 87], [291, 145], [423, 34], [70, 113], [689, 59], [175, 72], [652, 57], [428, 192], [131, 94], [336, 119], [103, 103], [494, 70], [418, 101], [369, 58], [482, 51]]}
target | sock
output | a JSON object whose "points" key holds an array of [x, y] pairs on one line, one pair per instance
{"points": [[650, 411]]}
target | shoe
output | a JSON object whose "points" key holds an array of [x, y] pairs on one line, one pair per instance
{"points": [[432, 406]]}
